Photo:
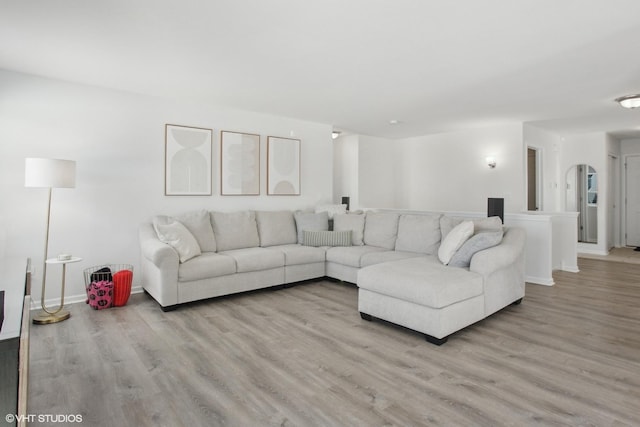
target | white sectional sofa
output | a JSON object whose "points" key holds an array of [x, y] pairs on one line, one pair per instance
{"points": [[392, 257]]}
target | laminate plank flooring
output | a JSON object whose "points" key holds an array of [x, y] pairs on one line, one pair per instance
{"points": [[301, 356]]}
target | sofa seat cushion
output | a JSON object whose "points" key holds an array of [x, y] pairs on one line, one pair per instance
{"points": [[298, 254], [207, 265], [255, 259], [423, 280], [386, 256], [350, 255]]}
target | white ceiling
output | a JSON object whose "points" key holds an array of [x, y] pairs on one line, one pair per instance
{"points": [[434, 65]]}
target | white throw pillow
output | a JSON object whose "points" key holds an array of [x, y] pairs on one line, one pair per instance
{"points": [[179, 238], [454, 240]]}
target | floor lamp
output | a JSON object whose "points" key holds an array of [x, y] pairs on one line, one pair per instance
{"points": [[50, 174]]}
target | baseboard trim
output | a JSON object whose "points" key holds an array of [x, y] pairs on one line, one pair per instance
{"points": [[70, 299], [539, 280], [570, 268]]}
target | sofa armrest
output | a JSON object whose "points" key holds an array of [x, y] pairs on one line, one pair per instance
{"points": [[159, 253], [510, 251], [159, 264]]}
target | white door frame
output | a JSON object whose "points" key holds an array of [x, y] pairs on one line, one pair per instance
{"points": [[613, 203], [539, 180]]}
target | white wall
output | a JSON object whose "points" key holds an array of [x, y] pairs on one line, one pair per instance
{"points": [[629, 146], [345, 169], [449, 172], [549, 145], [377, 173], [117, 140]]}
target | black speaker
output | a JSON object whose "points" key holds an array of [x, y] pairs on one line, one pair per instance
{"points": [[495, 207], [345, 201]]}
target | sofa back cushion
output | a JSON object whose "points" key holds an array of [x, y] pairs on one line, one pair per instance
{"points": [[353, 222], [235, 230], [309, 221], [381, 229], [419, 233], [276, 228]]}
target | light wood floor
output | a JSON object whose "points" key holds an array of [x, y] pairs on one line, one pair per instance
{"points": [[625, 254], [568, 355]]}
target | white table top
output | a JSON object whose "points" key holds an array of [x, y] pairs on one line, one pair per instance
{"points": [[66, 261]]}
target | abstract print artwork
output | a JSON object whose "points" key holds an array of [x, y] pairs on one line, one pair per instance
{"points": [[239, 164], [187, 161], [283, 166]]}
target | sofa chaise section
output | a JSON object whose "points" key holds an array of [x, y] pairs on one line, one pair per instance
{"points": [[437, 300]]}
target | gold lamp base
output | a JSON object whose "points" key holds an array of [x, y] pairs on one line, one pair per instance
{"points": [[44, 318]]}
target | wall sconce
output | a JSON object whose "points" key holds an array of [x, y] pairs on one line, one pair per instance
{"points": [[491, 162]]}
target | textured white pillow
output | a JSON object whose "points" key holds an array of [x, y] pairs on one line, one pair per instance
{"points": [[476, 243], [179, 238], [332, 210], [454, 240]]}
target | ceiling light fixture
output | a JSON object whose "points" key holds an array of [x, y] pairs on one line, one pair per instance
{"points": [[335, 134], [629, 101]]}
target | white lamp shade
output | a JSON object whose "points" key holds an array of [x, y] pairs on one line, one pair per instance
{"points": [[49, 173]]}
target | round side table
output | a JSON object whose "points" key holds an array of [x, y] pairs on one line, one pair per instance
{"points": [[47, 316]]}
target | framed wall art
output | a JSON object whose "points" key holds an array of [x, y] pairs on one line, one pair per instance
{"points": [[283, 166], [239, 164], [188, 164]]}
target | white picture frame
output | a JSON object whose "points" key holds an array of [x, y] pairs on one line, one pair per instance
{"points": [[283, 166], [188, 161], [239, 164]]}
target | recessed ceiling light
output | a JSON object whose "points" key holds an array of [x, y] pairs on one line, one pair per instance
{"points": [[394, 122], [335, 134], [629, 101]]}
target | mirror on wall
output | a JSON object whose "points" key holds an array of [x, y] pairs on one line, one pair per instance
{"points": [[582, 197]]}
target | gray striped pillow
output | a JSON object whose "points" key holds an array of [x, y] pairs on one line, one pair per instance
{"points": [[327, 238]]}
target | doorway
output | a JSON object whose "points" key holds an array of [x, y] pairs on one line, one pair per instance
{"points": [[613, 202], [632, 205], [587, 203], [533, 179]]}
